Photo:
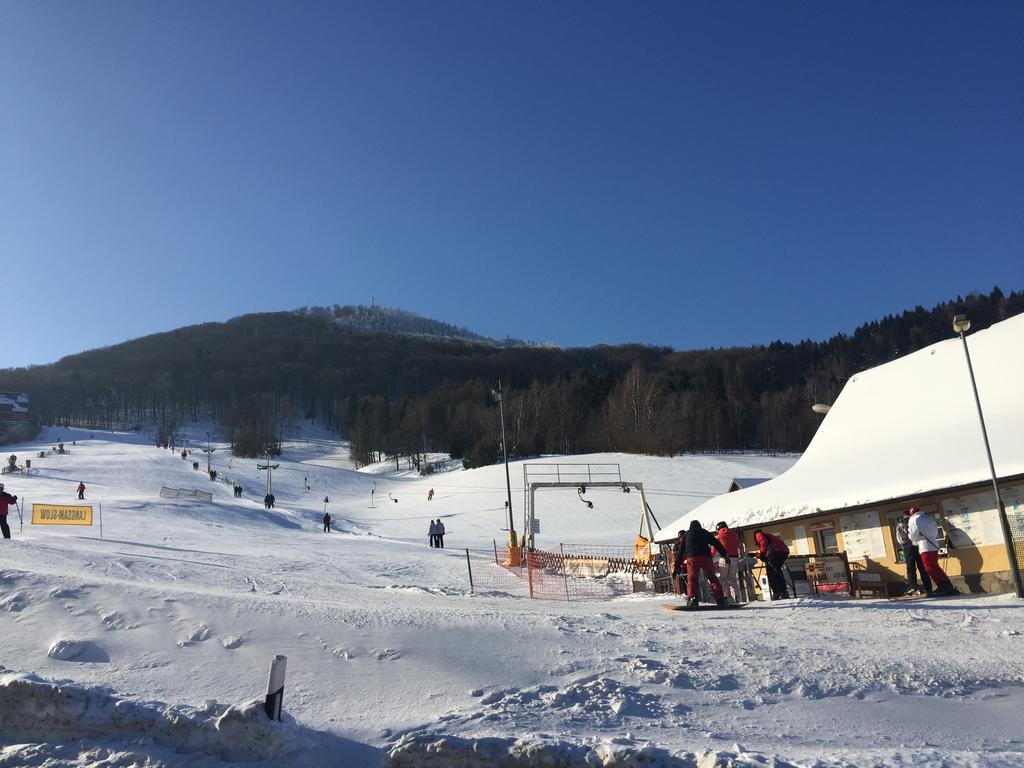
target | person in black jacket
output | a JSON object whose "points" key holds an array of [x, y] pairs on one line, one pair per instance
{"points": [[696, 546]]}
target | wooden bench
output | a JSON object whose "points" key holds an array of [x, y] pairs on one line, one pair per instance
{"points": [[867, 581]]}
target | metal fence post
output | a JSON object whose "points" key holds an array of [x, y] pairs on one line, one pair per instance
{"points": [[565, 575], [469, 567], [529, 573]]}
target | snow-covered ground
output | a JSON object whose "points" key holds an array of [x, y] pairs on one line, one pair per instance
{"points": [[148, 646]]}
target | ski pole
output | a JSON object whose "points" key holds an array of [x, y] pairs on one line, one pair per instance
{"points": [[21, 520]]}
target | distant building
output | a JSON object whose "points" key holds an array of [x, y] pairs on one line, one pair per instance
{"points": [[903, 433], [739, 483], [14, 406]]}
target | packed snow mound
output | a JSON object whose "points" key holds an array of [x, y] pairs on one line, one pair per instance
{"points": [[427, 751], [34, 710], [64, 650]]}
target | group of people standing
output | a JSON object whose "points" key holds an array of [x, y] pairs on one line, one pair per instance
{"points": [[716, 557], [696, 551], [437, 533], [918, 536]]}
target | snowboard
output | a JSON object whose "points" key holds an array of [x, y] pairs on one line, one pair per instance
{"points": [[702, 607], [911, 598]]}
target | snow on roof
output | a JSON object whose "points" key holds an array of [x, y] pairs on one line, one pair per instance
{"points": [[906, 428], [12, 404]]}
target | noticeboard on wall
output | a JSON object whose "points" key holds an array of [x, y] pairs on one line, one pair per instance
{"points": [[973, 520], [862, 535]]}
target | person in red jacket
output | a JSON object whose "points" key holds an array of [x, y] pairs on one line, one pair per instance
{"points": [[728, 566], [5, 501], [81, 490], [773, 551]]}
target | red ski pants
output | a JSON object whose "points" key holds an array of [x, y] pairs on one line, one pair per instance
{"points": [[706, 566], [934, 570]]}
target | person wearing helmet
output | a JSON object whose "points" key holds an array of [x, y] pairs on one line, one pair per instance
{"points": [[728, 560], [924, 532], [6, 500]]}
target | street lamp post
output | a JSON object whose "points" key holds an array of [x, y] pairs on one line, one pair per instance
{"points": [[498, 395], [961, 325]]}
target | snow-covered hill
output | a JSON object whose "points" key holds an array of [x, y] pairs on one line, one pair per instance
{"points": [[146, 646]]}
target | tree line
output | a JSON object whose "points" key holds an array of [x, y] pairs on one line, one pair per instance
{"points": [[403, 396]]}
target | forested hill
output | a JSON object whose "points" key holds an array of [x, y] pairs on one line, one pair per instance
{"points": [[406, 392]]}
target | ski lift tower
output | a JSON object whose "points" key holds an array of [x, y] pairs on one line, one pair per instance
{"points": [[581, 477], [270, 471]]}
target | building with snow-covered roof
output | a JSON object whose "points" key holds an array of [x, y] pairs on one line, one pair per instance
{"points": [[905, 432], [14, 406]]}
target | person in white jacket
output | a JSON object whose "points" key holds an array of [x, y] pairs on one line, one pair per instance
{"points": [[924, 532]]}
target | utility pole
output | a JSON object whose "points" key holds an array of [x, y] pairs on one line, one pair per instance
{"points": [[498, 395]]}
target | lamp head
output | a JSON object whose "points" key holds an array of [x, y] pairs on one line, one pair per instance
{"points": [[961, 324], [821, 408]]}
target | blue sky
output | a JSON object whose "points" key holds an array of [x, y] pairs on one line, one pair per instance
{"points": [[685, 174]]}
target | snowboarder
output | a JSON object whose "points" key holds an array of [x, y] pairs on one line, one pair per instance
{"points": [[440, 533], [432, 533], [6, 500], [272, 500], [430, 494], [924, 532], [773, 552], [266, 501], [728, 560], [912, 558], [81, 490], [696, 547], [327, 522]]}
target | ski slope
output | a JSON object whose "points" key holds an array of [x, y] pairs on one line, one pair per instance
{"points": [[148, 646]]}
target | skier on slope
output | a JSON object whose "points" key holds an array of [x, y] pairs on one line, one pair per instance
{"points": [[728, 560], [81, 490], [6, 500], [924, 532], [327, 522], [773, 552], [432, 533], [440, 533], [696, 546]]}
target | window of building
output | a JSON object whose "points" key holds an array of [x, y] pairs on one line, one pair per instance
{"points": [[826, 541]]}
